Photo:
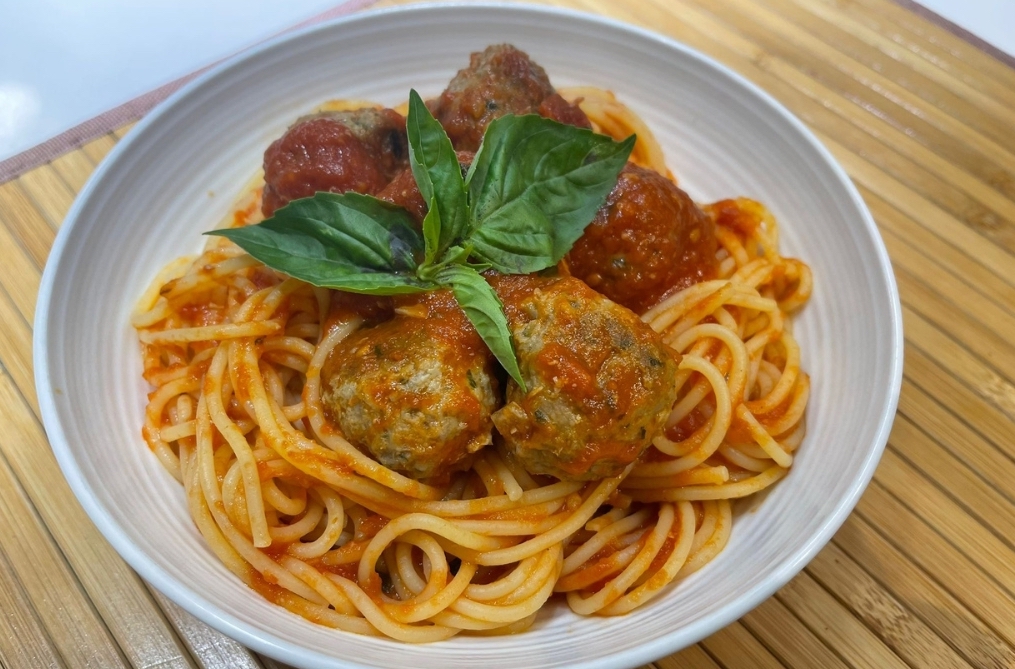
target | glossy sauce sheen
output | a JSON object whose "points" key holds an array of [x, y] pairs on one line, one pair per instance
{"points": [[416, 390], [334, 152], [649, 240], [600, 381]]}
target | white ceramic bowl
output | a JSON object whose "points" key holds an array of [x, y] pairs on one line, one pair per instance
{"points": [[179, 170]]}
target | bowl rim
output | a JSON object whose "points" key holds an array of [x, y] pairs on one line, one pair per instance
{"points": [[274, 645]]}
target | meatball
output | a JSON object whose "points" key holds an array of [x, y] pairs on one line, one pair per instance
{"points": [[358, 151], [500, 80], [600, 381], [404, 191], [415, 391], [648, 240]]}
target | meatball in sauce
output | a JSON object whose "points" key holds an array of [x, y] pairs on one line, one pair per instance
{"points": [[337, 152], [600, 382], [418, 389], [500, 80], [647, 241], [415, 391], [404, 191]]}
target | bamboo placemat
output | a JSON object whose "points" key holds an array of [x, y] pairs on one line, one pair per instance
{"points": [[922, 574]]}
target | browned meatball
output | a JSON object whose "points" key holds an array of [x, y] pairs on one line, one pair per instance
{"points": [[404, 191], [358, 151], [415, 391], [648, 240], [557, 108], [500, 80], [600, 381]]}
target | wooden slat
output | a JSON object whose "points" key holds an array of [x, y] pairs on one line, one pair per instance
{"points": [[74, 167], [970, 180], [210, 649], [788, 639], [951, 96], [922, 575], [689, 658], [734, 647], [19, 275], [911, 639], [876, 92], [824, 615], [25, 222], [979, 499], [97, 149], [961, 398], [931, 503], [63, 609], [932, 42], [928, 295], [896, 226], [926, 548], [964, 365], [48, 192], [16, 349], [980, 90], [781, 78], [987, 461], [24, 643], [921, 595], [977, 243]]}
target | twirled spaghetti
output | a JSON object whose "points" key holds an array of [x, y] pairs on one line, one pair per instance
{"points": [[234, 352]]}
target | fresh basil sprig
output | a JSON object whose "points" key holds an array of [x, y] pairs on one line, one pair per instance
{"points": [[532, 189]]}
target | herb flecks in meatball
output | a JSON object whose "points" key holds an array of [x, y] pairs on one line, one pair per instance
{"points": [[416, 391], [500, 80], [647, 241], [337, 152], [600, 381]]}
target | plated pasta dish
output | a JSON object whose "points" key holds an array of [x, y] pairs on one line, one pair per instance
{"points": [[446, 363]]}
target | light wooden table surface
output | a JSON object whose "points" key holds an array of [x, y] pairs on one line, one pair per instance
{"points": [[923, 572]]}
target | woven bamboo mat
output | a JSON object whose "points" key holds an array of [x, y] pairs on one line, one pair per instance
{"points": [[923, 572]]}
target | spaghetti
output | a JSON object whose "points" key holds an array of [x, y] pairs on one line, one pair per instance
{"points": [[234, 353]]}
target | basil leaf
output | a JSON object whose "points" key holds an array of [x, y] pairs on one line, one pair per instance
{"points": [[534, 187], [347, 241], [439, 177], [523, 246], [485, 311], [431, 232]]}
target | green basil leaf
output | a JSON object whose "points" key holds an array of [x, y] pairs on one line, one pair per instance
{"points": [[346, 241], [439, 177], [431, 232], [520, 244], [534, 187], [486, 312]]}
